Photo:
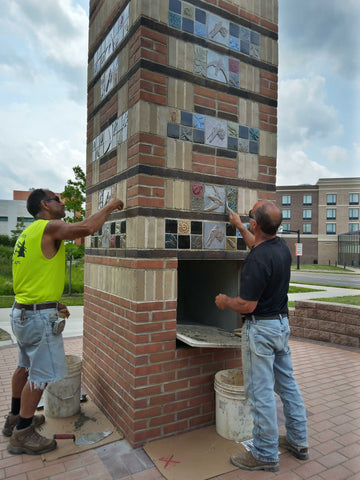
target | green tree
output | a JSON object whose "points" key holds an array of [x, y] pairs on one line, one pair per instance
{"points": [[74, 196], [20, 226]]}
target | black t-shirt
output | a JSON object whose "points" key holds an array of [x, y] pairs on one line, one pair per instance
{"points": [[265, 277]]}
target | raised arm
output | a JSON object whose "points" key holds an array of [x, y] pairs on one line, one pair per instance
{"points": [[60, 230], [235, 220]]}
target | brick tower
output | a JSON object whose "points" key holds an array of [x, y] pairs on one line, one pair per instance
{"points": [[182, 118]]}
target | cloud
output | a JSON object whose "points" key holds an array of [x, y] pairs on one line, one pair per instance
{"points": [[303, 113], [324, 33], [295, 168], [336, 154]]}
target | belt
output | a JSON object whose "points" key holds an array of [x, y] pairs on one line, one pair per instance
{"points": [[262, 317], [36, 306]]}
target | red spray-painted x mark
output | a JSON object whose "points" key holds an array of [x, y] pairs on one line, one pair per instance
{"points": [[168, 461]]}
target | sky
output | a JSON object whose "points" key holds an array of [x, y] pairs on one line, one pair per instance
{"points": [[43, 70]]}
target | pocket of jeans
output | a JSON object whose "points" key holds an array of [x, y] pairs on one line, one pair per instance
{"points": [[29, 330]]}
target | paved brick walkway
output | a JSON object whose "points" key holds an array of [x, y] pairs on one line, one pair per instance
{"points": [[329, 378]]}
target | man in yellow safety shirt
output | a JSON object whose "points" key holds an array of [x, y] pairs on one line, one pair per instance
{"points": [[37, 317]]}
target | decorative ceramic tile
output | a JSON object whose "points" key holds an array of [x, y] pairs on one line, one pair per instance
{"points": [[109, 78], [233, 143], [171, 226], [186, 119], [106, 235], [214, 199], [196, 242], [174, 20], [188, 11], [199, 121], [197, 189], [214, 236], [216, 132], [122, 239], [231, 197], [184, 227], [254, 51], [243, 145], [174, 116], [170, 240], [112, 40], [123, 226], [231, 243], [184, 241], [254, 147], [186, 133], [111, 137], [217, 67], [188, 25], [197, 204], [200, 30], [113, 241], [200, 16], [200, 61], [198, 136], [104, 197], [218, 29], [196, 228], [175, 6], [173, 130], [234, 79]]}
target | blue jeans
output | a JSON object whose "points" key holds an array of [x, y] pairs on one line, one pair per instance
{"points": [[267, 367], [39, 351]]}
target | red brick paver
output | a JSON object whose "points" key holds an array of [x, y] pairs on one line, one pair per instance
{"points": [[329, 379]]}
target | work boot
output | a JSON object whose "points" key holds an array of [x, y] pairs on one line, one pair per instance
{"points": [[299, 452], [11, 421], [29, 441], [245, 460]]}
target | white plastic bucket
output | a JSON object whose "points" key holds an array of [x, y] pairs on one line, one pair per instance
{"points": [[62, 399], [233, 417]]}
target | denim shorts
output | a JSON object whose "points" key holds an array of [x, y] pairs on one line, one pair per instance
{"points": [[40, 352]]}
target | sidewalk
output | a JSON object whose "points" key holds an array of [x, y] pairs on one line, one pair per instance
{"points": [[328, 376]]}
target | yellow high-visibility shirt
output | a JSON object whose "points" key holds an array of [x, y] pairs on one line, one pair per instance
{"points": [[37, 279]]}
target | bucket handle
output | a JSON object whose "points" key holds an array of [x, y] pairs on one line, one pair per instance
{"points": [[63, 398]]}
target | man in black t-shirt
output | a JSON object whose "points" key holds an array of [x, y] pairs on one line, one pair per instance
{"points": [[266, 357]]}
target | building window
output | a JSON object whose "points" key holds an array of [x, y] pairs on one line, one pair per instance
{"points": [[331, 199], [307, 228], [353, 199], [25, 219], [286, 214], [286, 200], [307, 200], [285, 227], [330, 214], [307, 214], [353, 227], [331, 229], [4, 219], [353, 214]]}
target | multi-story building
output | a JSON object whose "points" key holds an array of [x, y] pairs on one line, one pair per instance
{"points": [[13, 212], [319, 213]]}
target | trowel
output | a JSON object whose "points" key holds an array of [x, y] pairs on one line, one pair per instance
{"points": [[86, 439]]}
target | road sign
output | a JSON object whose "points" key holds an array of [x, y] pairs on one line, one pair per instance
{"points": [[298, 249]]}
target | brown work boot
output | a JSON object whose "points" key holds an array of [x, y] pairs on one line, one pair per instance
{"points": [[299, 452], [29, 441], [245, 460], [11, 421]]}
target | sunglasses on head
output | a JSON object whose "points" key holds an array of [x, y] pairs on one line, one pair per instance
{"points": [[251, 215], [56, 198]]}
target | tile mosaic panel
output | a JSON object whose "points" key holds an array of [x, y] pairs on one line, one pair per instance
{"points": [[214, 132], [213, 198], [111, 137], [112, 40], [197, 21], [111, 235], [109, 78]]}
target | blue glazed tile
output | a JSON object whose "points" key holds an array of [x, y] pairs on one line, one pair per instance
{"points": [[254, 147], [200, 30], [245, 47], [234, 79], [184, 241], [234, 30], [233, 143], [199, 121], [243, 131], [245, 34], [175, 6], [188, 25], [234, 43], [254, 134], [174, 20], [200, 16], [170, 240], [173, 130], [198, 136], [171, 226], [255, 37], [186, 119]]}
